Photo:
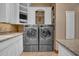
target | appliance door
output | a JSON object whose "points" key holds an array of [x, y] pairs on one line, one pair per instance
{"points": [[45, 48], [46, 35], [30, 48], [23, 17], [30, 35]]}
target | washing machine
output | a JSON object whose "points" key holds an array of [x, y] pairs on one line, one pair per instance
{"points": [[46, 38], [38, 38], [30, 41]]}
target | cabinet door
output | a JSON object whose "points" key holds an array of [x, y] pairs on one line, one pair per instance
{"points": [[64, 51], [9, 51], [14, 13], [9, 12], [4, 52], [3, 14], [19, 44], [12, 47]]}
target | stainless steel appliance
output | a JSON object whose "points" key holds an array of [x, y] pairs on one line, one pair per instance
{"points": [[38, 38], [30, 38], [23, 17], [46, 41]]}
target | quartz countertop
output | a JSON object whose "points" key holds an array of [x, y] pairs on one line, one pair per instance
{"points": [[71, 44], [5, 37]]}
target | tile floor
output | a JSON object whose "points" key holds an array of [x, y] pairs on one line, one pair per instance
{"points": [[39, 54]]}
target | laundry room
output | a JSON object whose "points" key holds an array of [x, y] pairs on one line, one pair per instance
{"points": [[34, 26], [39, 29], [39, 34]]}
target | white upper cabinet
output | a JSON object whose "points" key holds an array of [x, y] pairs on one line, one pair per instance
{"points": [[13, 13], [9, 12], [3, 12], [23, 12]]}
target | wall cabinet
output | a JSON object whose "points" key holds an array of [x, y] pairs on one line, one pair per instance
{"points": [[3, 12], [12, 47], [13, 13], [9, 12]]}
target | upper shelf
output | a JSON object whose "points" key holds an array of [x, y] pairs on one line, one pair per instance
{"points": [[25, 4], [25, 7], [23, 11]]}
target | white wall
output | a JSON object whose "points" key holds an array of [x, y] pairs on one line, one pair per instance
{"points": [[32, 17]]}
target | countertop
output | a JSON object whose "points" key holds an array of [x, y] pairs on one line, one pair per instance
{"points": [[5, 37], [71, 44]]}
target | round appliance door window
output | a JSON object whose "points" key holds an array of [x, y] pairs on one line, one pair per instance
{"points": [[45, 33], [31, 33]]}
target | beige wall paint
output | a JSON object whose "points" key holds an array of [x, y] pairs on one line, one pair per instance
{"points": [[77, 23], [61, 20]]}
